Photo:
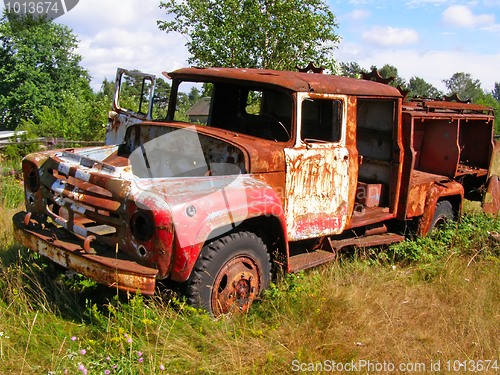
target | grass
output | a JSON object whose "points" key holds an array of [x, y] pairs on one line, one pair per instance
{"points": [[11, 180], [427, 300]]}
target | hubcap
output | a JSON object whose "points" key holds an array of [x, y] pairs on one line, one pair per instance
{"points": [[236, 286]]}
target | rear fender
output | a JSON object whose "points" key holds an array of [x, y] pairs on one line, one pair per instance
{"points": [[438, 190]]}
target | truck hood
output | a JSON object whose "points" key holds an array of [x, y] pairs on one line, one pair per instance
{"points": [[261, 155]]}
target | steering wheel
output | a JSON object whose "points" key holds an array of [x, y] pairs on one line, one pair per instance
{"points": [[278, 122]]}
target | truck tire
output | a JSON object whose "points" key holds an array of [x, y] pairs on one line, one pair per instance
{"points": [[442, 215], [229, 274]]}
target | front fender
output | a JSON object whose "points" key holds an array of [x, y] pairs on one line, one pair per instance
{"points": [[217, 205]]}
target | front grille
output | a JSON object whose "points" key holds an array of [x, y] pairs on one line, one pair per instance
{"points": [[80, 206]]}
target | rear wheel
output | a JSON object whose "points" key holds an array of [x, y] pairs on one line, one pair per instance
{"points": [[443, 215], [229, 274]]}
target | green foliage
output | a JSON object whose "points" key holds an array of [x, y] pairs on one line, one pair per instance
{"points": [[81, 115], [489, 101], [254, 34], [463, 85], [420, 88], [351, 69], [184, 102], [16, 151], [37, 66], [11, 187], [496, 92], [474, 235], [391, 71], [160, 98]]}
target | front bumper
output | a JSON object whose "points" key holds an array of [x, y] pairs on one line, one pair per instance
{"points": [[108, 267]]}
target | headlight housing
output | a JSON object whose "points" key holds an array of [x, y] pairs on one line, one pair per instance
{"points": [[31, 177], [142, 225]]}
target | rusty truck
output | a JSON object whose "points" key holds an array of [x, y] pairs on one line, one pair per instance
{"points": [[272, 168]]}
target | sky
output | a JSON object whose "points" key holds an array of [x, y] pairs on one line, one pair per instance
{"points": [[431, 39]]}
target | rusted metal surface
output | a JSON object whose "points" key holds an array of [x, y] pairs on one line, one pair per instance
{"points": [[442, 141], [315, 258], [251, 154], [236, 286], [220, 202], [317, 184], [491, 201], [149, 205], [307, 260], [317, 189], [295, 81], [109, 268], [89, 197], [435, 192], [417, 193]]}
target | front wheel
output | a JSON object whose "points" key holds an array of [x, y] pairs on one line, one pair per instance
{"points": [[443, 215], [229, 274]]}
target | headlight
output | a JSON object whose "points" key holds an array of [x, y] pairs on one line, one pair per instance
{"points": [[142, 226], [32, 178]]}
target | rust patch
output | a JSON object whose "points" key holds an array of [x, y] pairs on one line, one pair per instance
{"points": [[491, 201], [110, 268], [317, 191]]}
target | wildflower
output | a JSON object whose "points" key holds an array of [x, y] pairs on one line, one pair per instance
{"points": [[73, 338], [82, 369], [107, 372], [125, 335], [108, 358], [139, 354], [115, 366], [129, 340], [141, 360], [83, 351], [162, 368]]}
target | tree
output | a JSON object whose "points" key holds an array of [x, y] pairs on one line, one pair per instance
{"points": [[496, 91], [351, 69], [160, 98], [420, 88], [81, 115], [38, 64], [466, 87], [391, 71], [266, 34]]}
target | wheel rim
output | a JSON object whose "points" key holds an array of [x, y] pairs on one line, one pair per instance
{"points": [[236, 286], [441, 223]]}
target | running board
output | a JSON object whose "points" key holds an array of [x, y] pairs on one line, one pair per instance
{"points": [[303, 261]]}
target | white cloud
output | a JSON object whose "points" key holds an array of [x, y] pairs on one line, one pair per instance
{"points": [[432, 66], [461, 16], [492, 3], [357, 15], [124, 33], [357, 2], [420, 3], [389, 36]]}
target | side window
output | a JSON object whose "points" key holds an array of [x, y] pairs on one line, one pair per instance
{"points": [[321, 120]]}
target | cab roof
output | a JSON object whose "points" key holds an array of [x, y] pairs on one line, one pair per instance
{"points": [[294, 81]]}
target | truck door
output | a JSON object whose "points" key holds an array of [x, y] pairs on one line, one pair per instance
{"points": [[132, 103], [317, 180]]}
